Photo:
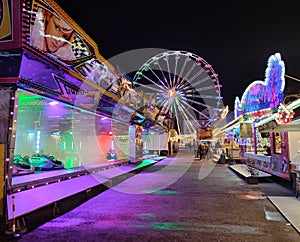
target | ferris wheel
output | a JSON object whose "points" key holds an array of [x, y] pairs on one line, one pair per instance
{"points": [[184, 85]]}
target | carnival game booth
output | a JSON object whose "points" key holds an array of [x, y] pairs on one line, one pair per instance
{"points": [[64, 109], [261, 103], [285, 132]]}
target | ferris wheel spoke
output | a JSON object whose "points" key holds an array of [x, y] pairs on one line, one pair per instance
{"points": [[184, 84], [186, 108], [199, 103], [180, 85], [166, 106], [209, 121], [190, 70], [163, 74], [196, 75], [201, 81], [183, 79], [161, 99], [175, 70], [186, 88], [181, 82], [176, 116], [212, 108], [199, 112], [180, 76], [159, 79], [187, 125], [183, 67], [161, 103], [151, 88], [172, 108], [168, 66], [206, 96], [153, 82], [188, 122], [200, 89]]}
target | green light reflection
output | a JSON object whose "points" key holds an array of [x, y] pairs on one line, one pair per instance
{"points": [[145, 163], [166, 226], [146, 215], [165, 192]]}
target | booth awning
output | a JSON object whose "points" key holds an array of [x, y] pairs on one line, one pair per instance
{"points": [[230, 125], [272, 126], [293, 126]]}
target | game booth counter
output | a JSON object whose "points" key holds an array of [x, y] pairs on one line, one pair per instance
{"points": [[64, 111], [260, 109]]}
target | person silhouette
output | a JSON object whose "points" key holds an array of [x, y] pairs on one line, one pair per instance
{"points": [[200, 151], [268, 150]]}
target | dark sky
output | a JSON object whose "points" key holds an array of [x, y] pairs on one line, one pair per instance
{"points": [[236, 37]]}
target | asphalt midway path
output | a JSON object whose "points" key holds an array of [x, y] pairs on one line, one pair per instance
{"points": [[179, 198]]}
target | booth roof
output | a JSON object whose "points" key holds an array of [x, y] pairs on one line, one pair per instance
{"points": [[293, 126]]}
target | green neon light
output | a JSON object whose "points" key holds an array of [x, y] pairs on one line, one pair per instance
{"points": [[69, 163]]}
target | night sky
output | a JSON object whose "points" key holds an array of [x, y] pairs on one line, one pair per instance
{"points": [[236, 37]]}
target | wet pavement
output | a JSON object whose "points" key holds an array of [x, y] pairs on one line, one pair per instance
{"points": [[179, 198]]}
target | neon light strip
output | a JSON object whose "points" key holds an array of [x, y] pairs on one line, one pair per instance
{"points": [[38, 138]]}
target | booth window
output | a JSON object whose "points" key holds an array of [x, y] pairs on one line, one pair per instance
{"points": [[265, 141], [277, 142]]}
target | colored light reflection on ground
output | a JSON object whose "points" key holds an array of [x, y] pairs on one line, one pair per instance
{"points": [[165, 192], [145, 163], [146, 215], [249, 195], [167, 226], [175, 226], [203, 228]]}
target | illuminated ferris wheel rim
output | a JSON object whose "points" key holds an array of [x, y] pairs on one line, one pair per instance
{"points": [[192, 56], [176, 88]]}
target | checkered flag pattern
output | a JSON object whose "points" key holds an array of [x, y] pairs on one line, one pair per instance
{"points": [[79, 48]]}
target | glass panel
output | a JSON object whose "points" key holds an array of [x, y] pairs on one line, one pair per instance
{"points": [[47, 128]]}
